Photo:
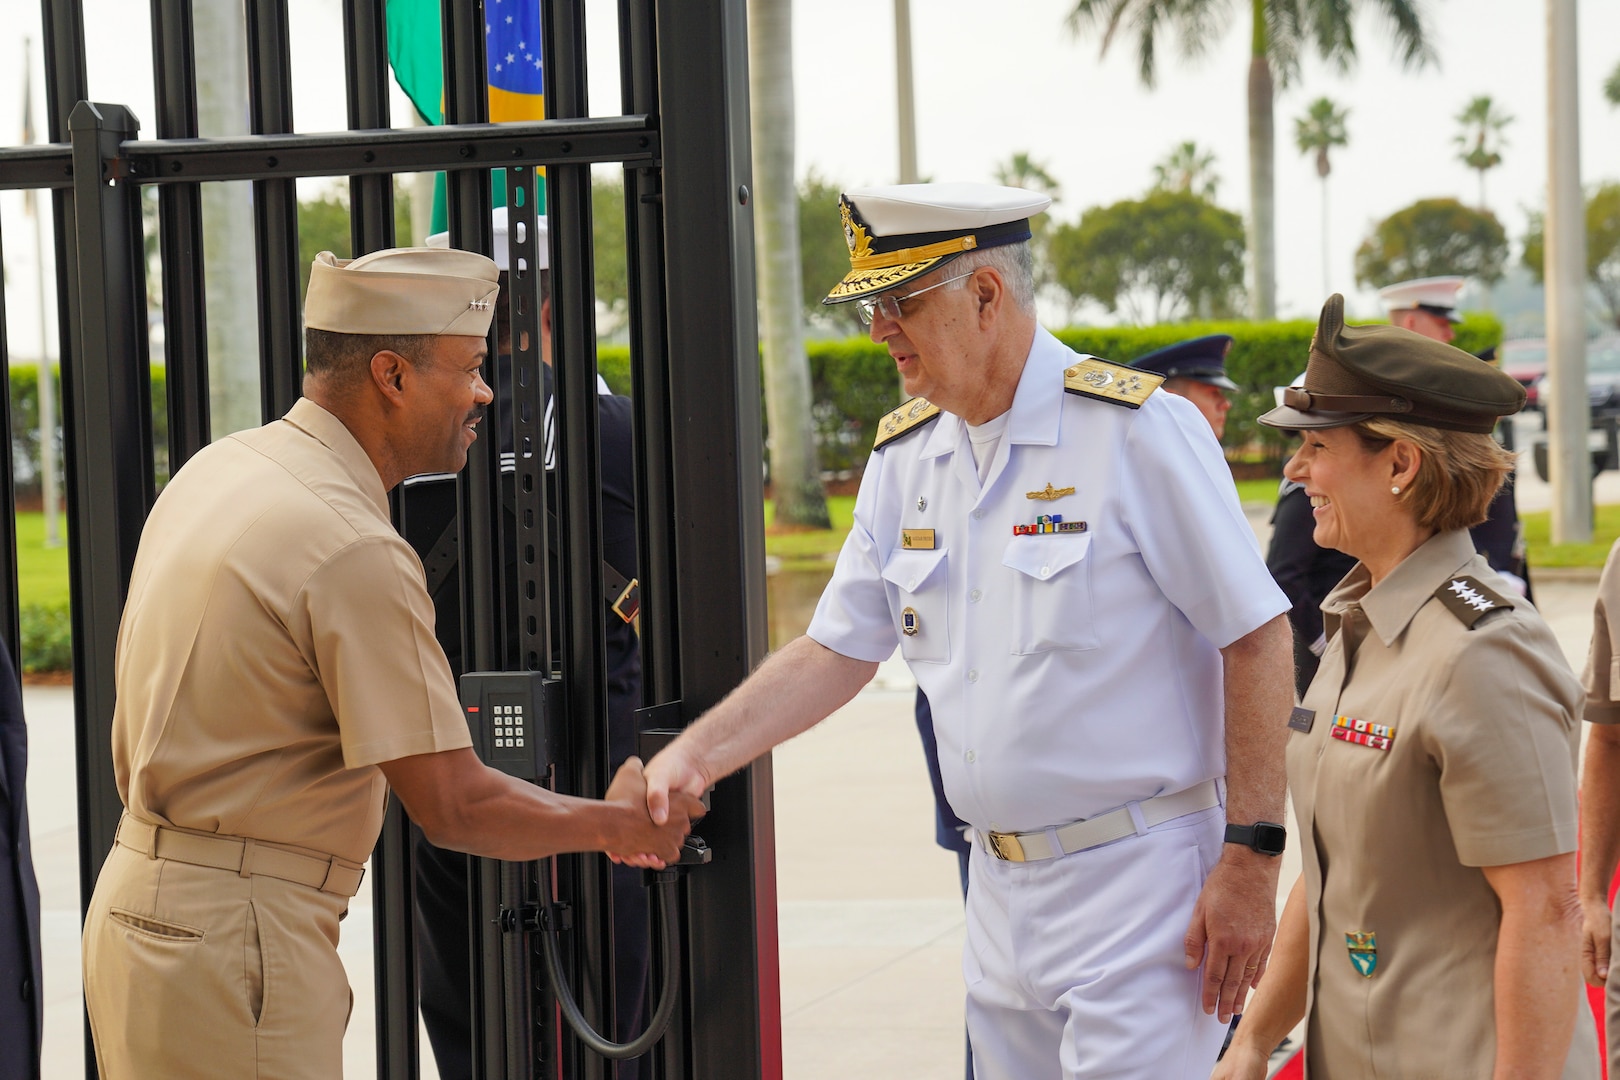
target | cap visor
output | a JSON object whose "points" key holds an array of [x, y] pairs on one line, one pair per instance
{"points": [[859, 283], [1291, 419], [1217, 380]]}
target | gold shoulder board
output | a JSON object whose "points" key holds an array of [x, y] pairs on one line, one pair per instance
{"points": [[1110, 382], [1469, 599], [908, 417]]}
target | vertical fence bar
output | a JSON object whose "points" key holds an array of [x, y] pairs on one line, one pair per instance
{"points": [[180, 238], [275, 212], [10, 629], [111, 469], [734, 984], [393, 860]]}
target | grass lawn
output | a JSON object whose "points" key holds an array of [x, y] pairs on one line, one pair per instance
{"points": [[1543, 552], [42, 572]]}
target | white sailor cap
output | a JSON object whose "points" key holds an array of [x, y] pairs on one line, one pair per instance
{"points": [[497, 219], [1436, 295], [902, 231]]}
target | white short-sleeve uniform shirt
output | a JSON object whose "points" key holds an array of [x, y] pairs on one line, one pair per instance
{"points": [[1069, 673]]}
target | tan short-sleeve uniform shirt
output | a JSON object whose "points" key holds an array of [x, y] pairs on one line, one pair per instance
{"points": [[1456, 749], [276, 645]]}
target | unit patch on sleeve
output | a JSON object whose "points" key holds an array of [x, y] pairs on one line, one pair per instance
{"points": [[1469, 599], [908, 417], [1110, 382]]}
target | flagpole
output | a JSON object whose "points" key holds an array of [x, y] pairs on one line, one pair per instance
{"points": [[46, 381]]}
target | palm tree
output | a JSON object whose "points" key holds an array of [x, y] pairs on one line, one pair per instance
{"points": [[1023, 171], [1321, 129], [1280, 31], [1480, 142], [1188, 169], [795, 471]]}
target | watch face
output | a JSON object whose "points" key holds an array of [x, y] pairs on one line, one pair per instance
{"points": [[1269, 839]]}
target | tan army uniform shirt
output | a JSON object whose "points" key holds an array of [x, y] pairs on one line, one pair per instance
{"points": [[1602, 676], [276, 645], [1457, 748]]}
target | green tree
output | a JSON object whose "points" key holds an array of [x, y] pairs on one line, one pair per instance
{"points": [[1280, 31], [323, 225], [1187, 168], [795, 471], [1320, 130], [1480, 142], [1023, 171], [1602, 246], [1429, 238], [610, 260], [1164, 257], [1611, 88], [824, 255]]}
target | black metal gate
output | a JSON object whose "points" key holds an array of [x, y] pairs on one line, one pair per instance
{"points": [[683, 143]]}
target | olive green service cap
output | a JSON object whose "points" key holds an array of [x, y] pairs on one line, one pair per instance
{"points": [[1359, 372], [402, 291], [902, 231]]}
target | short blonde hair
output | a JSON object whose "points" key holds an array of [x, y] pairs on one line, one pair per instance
{"points": [[1458, 475]]}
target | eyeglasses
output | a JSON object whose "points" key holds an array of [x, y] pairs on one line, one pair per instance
{"points": [[889, 306]]}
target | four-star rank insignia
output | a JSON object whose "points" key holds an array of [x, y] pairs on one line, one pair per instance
{"points": [[1363, 946], [908, 417], [1110, 382], [1469, 599]]}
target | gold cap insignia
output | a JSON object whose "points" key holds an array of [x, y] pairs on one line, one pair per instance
{"points": [[855, 235]]}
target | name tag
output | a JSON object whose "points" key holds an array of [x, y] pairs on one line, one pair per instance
{"points": [[1302, 719], [917, 539]]}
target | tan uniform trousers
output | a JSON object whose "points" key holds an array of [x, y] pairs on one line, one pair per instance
{"points": [[196, 972]]}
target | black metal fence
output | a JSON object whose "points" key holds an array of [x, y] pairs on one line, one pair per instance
{"points": [[683, 144]]}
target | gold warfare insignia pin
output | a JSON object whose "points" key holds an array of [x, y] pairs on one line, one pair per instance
{"points": [[909, 624], [911, 415], [1363, 946], [917, 539], [1048, 493], [1110, 382]]}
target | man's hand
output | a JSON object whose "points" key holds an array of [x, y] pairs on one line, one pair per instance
{"points": [[1232, 927], [1596, 928], [644, 843], [674, 771], [1241, 1063]]}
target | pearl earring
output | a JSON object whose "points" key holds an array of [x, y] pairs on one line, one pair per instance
{"points": [[1396, 490]]}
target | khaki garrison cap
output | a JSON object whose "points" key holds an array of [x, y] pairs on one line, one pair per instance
{"points": [[902, 231], [1358, 372], [402, 291]]}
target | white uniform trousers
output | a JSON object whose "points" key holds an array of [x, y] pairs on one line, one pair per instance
{"points": [[1075, 966]]}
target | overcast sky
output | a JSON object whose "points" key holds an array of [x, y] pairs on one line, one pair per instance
{"points": [[996, 79]]}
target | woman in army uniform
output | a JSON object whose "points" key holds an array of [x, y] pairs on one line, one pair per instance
{"points": [[1434, 931]]}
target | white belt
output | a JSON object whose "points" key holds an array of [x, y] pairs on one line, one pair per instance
{"points": [[1102, 829]]}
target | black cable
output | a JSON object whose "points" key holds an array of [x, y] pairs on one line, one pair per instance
{"points": [[666, 1000]]}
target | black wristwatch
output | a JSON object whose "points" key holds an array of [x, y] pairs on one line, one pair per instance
{"points": [[1266, 837]]}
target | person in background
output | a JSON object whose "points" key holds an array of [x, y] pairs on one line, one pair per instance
{"points": [[1434, 931], [22, 999], [1196, 370], [1428, 306], [441, 897]]}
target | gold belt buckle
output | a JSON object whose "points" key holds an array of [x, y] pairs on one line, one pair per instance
{"points": [[1006, 846]]}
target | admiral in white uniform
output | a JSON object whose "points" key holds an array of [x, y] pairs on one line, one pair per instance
{"points": [[1059, 553]]}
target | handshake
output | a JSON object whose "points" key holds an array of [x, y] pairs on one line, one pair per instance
{"points": [[655, 820]]}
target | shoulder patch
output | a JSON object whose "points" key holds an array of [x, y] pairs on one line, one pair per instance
{"points": [[908, 417], [1107, 381], [1469, 599]]}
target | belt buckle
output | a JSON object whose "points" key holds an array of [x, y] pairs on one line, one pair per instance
{"points": [[628, 605], [1007, 847]]}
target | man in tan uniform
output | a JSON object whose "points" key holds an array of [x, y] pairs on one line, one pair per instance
{"points": [[1600, 798], [277, 673]]}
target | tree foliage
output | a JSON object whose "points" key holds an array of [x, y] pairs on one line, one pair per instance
{"points": [[824, 254], [1429, 238], [1480, 141], [1320, 130], [1188, 168], [1167, 256], [1602, 246], [1611, 87]]}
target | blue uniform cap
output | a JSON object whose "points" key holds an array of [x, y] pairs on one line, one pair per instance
{"points": [[1203, 359]]}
